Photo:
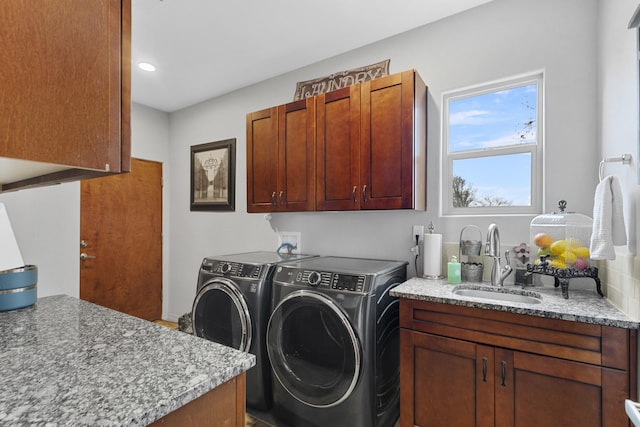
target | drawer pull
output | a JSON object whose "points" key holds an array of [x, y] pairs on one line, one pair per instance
{"points": [[484, 369], [504, 373]]}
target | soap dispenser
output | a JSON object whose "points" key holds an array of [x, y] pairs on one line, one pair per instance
{"points": [[453, 270]]}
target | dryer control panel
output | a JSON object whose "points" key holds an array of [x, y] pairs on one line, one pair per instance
{"points": [[232, 269], [322, 279]]}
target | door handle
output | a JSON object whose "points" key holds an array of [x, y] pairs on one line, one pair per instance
{"points": [[84, 257]]}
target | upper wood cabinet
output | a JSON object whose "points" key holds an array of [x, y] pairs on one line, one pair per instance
{"points": [[280, 153], [338, 150], [369, 149], [65, 105]]}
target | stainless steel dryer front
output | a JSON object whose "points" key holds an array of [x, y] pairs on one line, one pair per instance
{"points": [[333, 342], [232, 306]]}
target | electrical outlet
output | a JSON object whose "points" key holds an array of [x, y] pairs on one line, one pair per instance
{"points": [[417, 230], [294, 238]]}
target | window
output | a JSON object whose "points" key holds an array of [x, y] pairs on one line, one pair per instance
{"points": [[492, 148]]}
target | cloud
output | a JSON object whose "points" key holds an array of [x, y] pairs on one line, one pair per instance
{"points": [[470, 117]]}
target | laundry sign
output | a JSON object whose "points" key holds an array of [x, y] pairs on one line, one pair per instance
{"points": [[341, 79]]}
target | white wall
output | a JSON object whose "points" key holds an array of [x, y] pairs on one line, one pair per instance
{"points": [[500, 39], [618, 104], [618, 134], [46, 221]]}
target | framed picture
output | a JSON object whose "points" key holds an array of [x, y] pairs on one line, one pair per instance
{"points": [[213, 176]]}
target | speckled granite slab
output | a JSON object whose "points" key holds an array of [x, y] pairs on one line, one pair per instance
{"points": [[67, 362], [582, 305]]}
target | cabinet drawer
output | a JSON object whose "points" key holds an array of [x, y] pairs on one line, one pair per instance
{"points": [[593, 344]]}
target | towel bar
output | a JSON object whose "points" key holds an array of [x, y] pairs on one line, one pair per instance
{"points": [[625, 159]]}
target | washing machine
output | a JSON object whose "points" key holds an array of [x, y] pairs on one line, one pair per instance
{"points": [[232, 307], [333, 342]]}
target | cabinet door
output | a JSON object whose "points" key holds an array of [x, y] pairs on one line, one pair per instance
{"points": [[296, 153], [386, 150], [534, 390], [338, 150], [64, 73], [262, 160], [445, 382]]}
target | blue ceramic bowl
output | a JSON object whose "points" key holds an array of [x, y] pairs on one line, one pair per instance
{"points": [[18, 287]]}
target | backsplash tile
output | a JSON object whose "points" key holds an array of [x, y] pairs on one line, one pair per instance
{"points": [[621, 283]]}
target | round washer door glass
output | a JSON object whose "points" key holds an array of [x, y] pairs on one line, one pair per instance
{"points": [[313, 349], [220, 314]]}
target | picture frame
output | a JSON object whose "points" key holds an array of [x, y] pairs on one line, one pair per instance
{"points": [[213, 176]]}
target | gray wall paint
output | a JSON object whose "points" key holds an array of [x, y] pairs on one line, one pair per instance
{"points": [[499, 39], [618, 105]]}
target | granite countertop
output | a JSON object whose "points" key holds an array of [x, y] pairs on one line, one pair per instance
{"points": [[68, 362], [582, 306]]}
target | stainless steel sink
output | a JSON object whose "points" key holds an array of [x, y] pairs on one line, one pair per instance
{"points": [[500, 294]]}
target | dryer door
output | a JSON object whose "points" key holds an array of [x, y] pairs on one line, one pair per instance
{"points": [[314, 351], [220, 314]]}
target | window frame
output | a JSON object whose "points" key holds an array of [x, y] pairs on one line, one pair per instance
{"points": [[536, 149]]}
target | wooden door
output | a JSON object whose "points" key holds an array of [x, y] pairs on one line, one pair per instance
{"points": [[534, 390], [121, 231], [442, 383], [296, 154], [386, 151], [338, 150], [262, 160]]}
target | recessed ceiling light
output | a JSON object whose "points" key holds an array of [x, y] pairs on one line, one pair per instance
{"points": [[146, 66]]}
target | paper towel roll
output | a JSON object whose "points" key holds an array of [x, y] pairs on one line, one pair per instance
{"points": [[432, 255]]}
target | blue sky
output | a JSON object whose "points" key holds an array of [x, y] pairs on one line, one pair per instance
{"points": [[503, 118]]}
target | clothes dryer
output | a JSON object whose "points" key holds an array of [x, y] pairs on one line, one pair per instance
{"points": [[333, 342], [232, 307]]}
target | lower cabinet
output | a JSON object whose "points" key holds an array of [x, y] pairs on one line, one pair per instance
{"points": [[464, 366], [224, 406]]}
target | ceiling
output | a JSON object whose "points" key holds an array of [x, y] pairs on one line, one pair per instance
{"points": [[206, 48]]}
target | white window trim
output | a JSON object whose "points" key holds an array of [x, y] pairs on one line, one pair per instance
{"points": [[536, 150]]}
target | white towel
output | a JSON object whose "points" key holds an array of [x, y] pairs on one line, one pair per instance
{"points": [[608, 220]]}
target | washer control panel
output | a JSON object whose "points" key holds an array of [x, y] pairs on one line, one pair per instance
{"points": [[322, 279], [231, 269]]}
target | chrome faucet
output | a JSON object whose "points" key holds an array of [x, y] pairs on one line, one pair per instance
{"points": [[492, 250]]}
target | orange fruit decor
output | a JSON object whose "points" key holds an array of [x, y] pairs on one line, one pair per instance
{"points": [[542, 240]]}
